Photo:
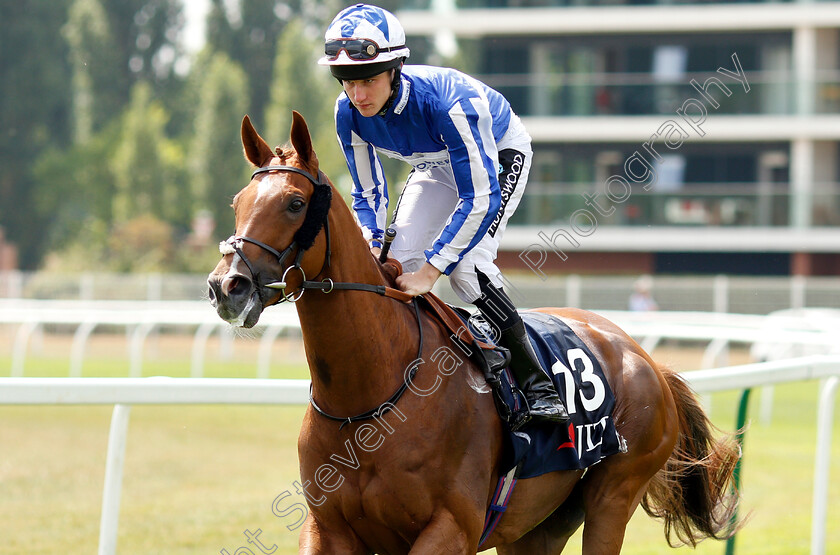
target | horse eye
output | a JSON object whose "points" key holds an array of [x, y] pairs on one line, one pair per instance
{"points": [[296, 205]]}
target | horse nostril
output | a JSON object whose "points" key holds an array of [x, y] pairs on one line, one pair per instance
{"points": [[235, 285], [227, 284]]}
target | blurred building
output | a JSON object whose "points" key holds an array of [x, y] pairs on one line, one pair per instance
{"points": [[669, 137]]}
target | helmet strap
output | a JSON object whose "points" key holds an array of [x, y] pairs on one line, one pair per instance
{"points": [[395, 89]]}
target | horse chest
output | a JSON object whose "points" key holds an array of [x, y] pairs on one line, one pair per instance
{"points": [[391, 474], [376, 491], [384, 511]]}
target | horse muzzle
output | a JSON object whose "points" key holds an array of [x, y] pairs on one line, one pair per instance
{"points": [[236, 298]]}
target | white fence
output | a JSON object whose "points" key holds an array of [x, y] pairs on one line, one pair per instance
{"points": [[795, 333], [738, 294], [142, 318], [139, 319], [124, 392]]}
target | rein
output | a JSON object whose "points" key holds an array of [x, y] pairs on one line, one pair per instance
{"points": [[316, 218]]}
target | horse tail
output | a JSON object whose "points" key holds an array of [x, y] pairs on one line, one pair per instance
{"points": [[693, 492]]}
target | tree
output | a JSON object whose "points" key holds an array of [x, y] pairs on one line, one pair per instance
{"points": [[33, 114], [147, 33], [76, 191], [300, 84], [147, 165], [217, 169], [249, 33], [93, 55], [102, 47], [146, 46]]}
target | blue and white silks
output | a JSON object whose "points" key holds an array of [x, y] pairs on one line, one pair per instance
{"points": [[441, 118]]}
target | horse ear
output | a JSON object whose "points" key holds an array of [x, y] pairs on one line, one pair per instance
{"points": [[301, 140], [257, 150]]}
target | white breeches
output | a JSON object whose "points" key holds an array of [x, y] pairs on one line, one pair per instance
{"points": [[429, 199]]}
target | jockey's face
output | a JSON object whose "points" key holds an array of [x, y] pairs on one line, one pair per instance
{"points": [[369, 95]]}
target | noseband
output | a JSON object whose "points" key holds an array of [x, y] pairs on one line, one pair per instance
{"points": [[316, 218]]}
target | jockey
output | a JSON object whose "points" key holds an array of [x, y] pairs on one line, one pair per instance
{"points": [[470, 156]]}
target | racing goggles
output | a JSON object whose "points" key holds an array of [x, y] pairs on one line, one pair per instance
{"points": [[356, 49]]}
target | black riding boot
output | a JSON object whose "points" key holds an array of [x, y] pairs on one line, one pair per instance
{"points": [[543, 402]]}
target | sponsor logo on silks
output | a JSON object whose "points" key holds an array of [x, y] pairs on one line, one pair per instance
{"points": [[427, 165], [507, 186]]}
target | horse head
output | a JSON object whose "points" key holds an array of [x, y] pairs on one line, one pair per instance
{"points": [[278, 239]]}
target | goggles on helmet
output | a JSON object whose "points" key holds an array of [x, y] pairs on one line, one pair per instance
{"points": [[356, 49]]}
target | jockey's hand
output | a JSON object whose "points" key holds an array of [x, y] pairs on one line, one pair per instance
{"points": [[375, 251], [419, 282]]}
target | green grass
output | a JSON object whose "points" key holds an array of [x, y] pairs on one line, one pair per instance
{"points": [[777, 478], [197, 477]]}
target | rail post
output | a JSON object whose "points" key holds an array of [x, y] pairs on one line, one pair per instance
{"points": [[825, 417], [111, 492], [743, 405]]}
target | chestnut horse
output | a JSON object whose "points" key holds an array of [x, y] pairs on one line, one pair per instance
{"points": [[415, 471]]}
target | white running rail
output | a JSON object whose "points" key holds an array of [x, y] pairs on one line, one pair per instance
{"points": [[124, 392], [140, 318]]}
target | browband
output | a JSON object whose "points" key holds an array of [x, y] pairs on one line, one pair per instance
{"points": [[293, 169]]}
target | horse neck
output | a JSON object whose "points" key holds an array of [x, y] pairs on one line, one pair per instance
{"points": [[357, 343]]}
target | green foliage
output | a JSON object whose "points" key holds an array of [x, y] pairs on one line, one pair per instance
{"points": [[101, 137], [34, 113], [76, 189], [295, 81], [248, 35], [142, 244], [147, 164], [217, 169], [301, 84], [146, 33], [93, 56]]}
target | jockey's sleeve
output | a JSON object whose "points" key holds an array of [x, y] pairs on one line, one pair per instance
{"points": [[370, 189], [466, 128]]}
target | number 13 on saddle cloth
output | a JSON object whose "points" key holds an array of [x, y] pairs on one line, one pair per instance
{"points": [[591, 435]]}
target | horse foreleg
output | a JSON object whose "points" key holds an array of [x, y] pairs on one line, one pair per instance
{"points": [[316, 539], [444, 535]]}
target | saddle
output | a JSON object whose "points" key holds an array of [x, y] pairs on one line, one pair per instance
{"points": [[491, 359]]}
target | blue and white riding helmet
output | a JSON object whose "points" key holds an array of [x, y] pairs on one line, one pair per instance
{"points": [[363, 41]]}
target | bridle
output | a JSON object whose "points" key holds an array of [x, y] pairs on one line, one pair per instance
{"points": [[304, 238], [316, 218]]}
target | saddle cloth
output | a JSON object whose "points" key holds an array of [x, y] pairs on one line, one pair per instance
{"points": [[580, 381]]}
